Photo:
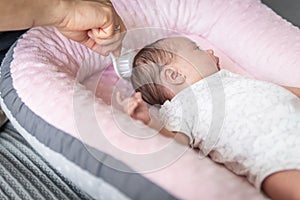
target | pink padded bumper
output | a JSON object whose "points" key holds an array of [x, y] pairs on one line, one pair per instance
{"points": [[58, 79]]}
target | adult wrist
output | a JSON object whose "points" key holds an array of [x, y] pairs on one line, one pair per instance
{"points": [[58, 12], [66, 9]]}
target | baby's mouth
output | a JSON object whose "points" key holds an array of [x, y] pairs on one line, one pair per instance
{"points": [[217, 61]]}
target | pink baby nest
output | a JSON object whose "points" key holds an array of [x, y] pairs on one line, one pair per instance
{"points": [[71, 87]]}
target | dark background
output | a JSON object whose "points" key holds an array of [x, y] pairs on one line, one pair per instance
{"points": [[288, 9]]}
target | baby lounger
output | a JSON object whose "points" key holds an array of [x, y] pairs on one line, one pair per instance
{"points": [[60, 96]]}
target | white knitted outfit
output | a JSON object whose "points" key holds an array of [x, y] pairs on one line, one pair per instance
{"points": [[251, 126]]}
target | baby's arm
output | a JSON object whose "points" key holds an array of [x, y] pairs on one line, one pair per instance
{"points": [[136, 108], [294, 90], [283, 185]]}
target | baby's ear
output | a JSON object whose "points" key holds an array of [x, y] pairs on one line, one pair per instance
{"points": [[172, 76]]}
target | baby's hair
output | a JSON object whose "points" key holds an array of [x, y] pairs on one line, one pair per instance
{"points": [[147, 66]]}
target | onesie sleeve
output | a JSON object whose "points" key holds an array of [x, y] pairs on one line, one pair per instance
{"points": [[173, 117]]}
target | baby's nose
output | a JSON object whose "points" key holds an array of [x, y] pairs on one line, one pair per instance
{"points": [[210, 51]]}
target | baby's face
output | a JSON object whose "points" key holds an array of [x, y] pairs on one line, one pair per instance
{"points": [[191, 61]]}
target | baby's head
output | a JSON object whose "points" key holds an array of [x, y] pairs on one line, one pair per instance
{"points": [[167, 66]]}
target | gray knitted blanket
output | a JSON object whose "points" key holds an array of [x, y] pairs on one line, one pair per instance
{"points": [[24, 174]]}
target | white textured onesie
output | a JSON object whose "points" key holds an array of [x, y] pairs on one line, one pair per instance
{"points": [[251, 126]]}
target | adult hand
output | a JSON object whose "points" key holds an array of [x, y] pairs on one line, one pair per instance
{"points": [[94, 24]]}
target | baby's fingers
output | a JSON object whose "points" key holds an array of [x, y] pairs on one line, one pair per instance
{"points": [[138, 98], [132, 106]]}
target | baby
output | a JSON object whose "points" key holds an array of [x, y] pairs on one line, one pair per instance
{"points": [[251, 126]]}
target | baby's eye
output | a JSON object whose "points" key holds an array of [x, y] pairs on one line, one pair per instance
{"points": [[197, 48]]}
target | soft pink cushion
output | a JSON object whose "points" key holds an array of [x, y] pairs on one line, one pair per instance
{"points": [[247, 31], [58, 79]]}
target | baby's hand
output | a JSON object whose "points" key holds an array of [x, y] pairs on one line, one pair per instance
{"points": [[294, 90], [135, 107]]}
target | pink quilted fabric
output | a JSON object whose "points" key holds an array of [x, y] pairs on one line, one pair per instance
{"points": [[59, 79], [250, 33]]}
